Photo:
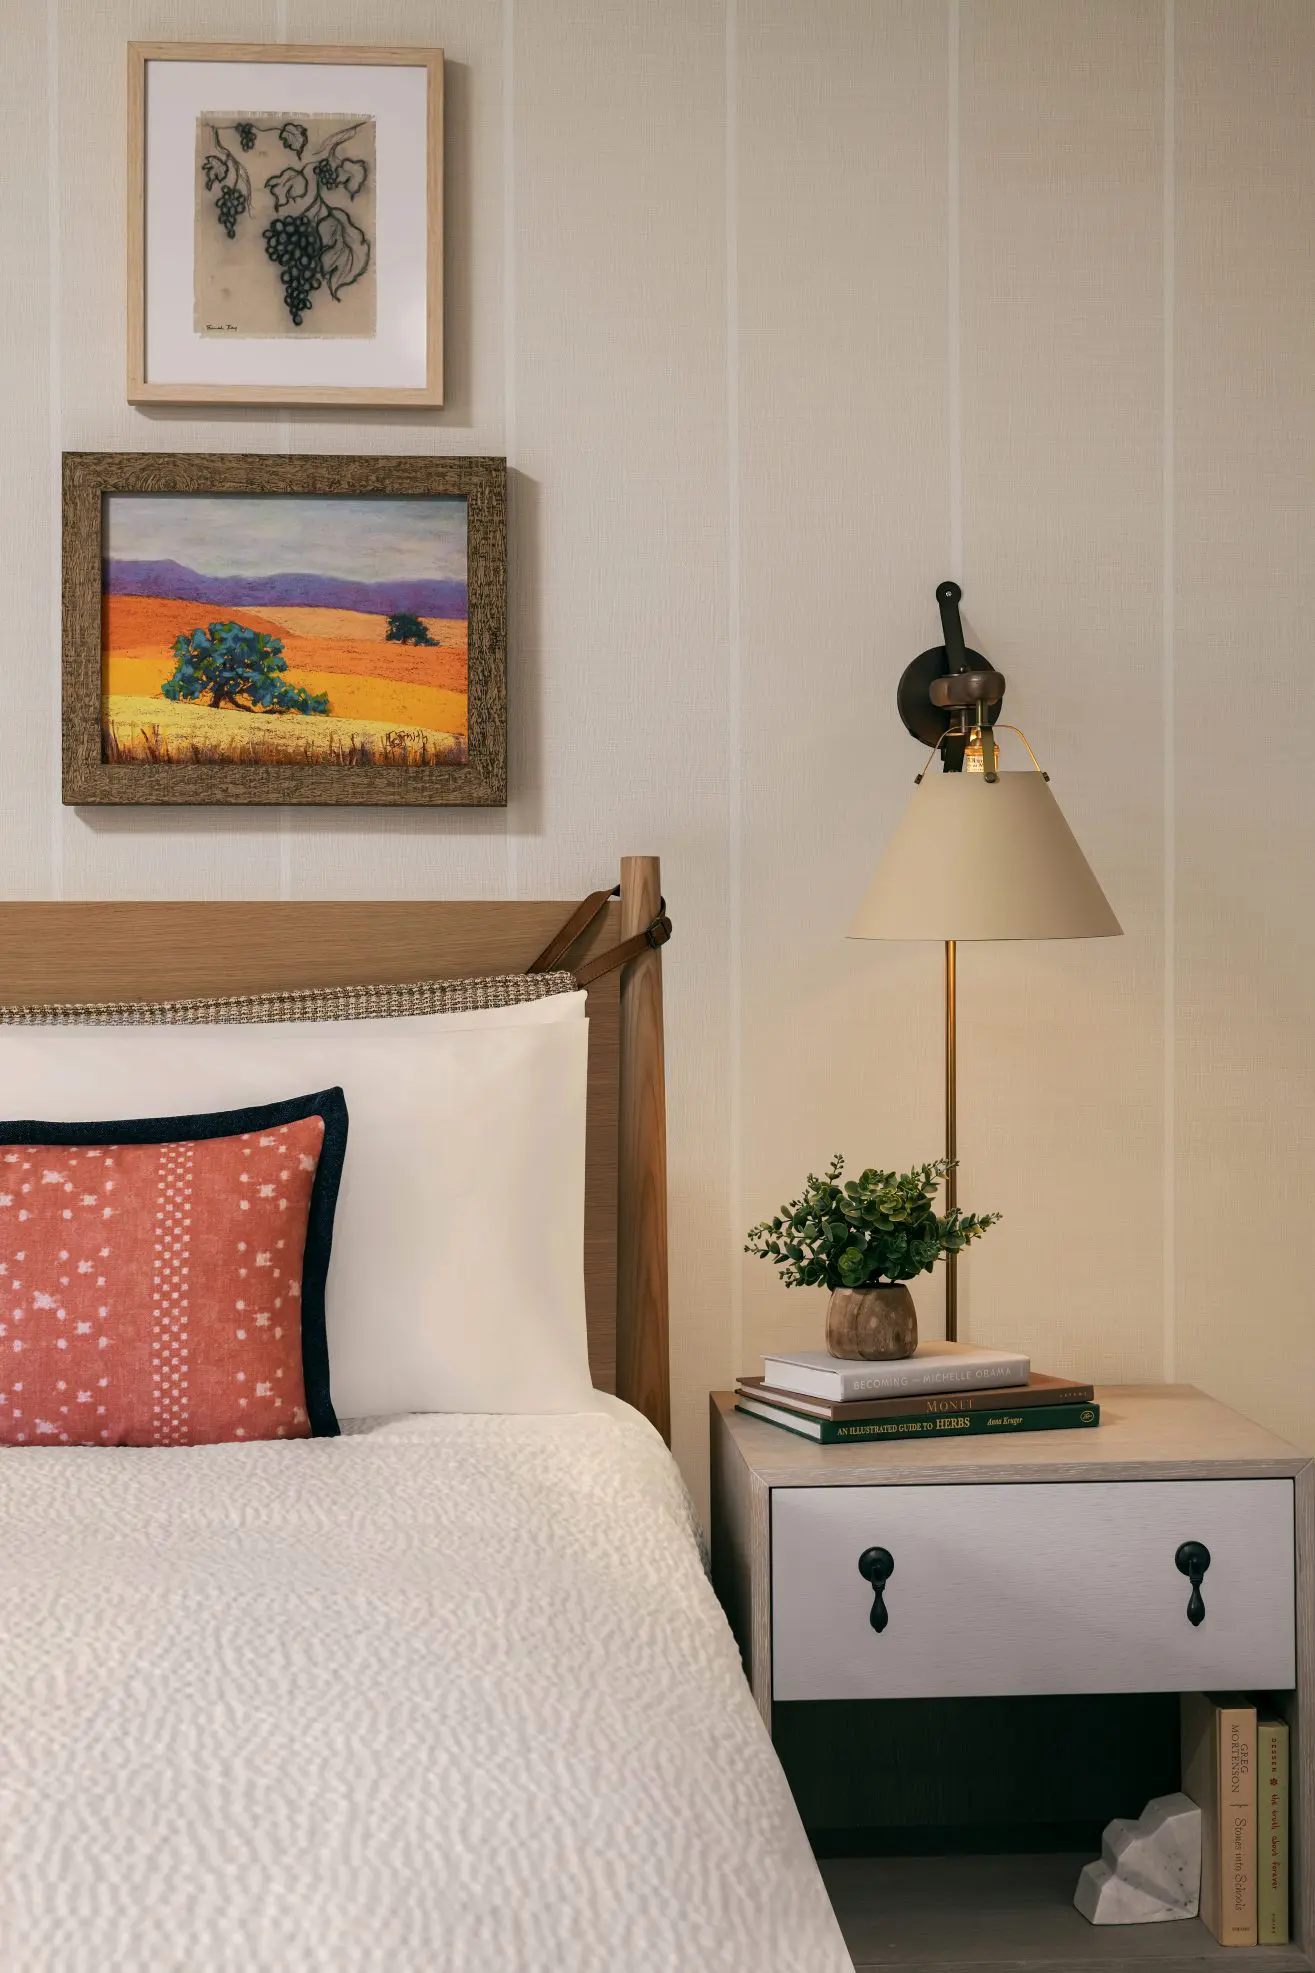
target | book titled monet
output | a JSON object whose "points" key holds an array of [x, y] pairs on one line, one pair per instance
{"points": [[932, 1367], [1039, 1389]]}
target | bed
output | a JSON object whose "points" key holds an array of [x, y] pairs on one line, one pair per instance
{"points": [[449, 1691]]}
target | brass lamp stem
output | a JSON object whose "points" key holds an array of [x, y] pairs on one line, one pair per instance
{"points": [[951, 1138]]}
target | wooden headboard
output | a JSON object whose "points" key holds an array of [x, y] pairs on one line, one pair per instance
{"points": [[173, 951]]}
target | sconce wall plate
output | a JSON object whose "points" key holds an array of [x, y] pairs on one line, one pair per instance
{"points": [[949, 690]]}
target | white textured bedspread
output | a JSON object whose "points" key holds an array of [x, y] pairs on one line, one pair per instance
{"points": [[451, 1695]]}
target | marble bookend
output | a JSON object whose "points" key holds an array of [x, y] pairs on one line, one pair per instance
{"points": [[1148, 1870]]}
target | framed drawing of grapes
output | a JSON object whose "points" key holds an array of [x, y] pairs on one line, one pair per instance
{"points": [[285, 225], [250, 628]]}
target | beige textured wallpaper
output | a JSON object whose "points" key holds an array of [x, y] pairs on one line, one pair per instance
{"points": [[781, 313]]}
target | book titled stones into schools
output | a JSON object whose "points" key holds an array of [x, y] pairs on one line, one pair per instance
{"points": [[1219, 1774]]}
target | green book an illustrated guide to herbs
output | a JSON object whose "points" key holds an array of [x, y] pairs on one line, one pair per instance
{"points": [[980, 1424]]}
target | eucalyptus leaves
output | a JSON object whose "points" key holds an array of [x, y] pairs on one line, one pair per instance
{"points": [[881, 1226], [312, 237]]}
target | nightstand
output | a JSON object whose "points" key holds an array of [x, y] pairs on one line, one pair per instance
{"points": [[1030, 1571]]}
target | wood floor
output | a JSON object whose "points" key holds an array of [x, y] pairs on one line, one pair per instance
{"points": [[985, 1914]]}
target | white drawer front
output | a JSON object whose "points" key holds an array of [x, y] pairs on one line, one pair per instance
{"points": [[1042, 1588]]}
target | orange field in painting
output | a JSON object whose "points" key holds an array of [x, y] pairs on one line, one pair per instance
{"points": [[382, 697]]}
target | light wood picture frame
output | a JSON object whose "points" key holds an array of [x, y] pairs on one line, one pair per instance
{"points": [[338, 150], [273, 628]]}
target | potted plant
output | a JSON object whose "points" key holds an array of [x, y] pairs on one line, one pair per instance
{"points": [[863, 1240]]}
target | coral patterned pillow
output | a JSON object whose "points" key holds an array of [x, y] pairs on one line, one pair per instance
{"points": [[162, 1281]]}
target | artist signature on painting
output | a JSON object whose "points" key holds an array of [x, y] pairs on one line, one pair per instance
{"points": [[221, 328]]}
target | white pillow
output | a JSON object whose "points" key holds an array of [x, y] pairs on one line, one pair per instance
{"points": [[457, 1278]]}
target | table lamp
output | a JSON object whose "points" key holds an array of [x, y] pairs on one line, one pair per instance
{"points": [[979, 854]]}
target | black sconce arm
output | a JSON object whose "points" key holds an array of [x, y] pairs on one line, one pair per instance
{"points": [[949, 596], [949, 693]]}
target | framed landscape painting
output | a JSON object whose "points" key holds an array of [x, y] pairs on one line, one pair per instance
{"points": [[243, 628], [285, 224]]}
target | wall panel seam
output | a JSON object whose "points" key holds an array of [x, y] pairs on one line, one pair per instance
{"points": [[1169, 901], [54, 284], [954, 324], [284, 422], [511, 837], [734, 691]]}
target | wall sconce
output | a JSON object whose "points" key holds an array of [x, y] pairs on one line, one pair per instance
{"points": [[981, 853]]}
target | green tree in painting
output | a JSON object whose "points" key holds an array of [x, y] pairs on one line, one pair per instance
{"points": [[404, 628], [237, 667]]}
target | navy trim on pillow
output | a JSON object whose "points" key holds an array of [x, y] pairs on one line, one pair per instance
{"points": [[328, 1104]]}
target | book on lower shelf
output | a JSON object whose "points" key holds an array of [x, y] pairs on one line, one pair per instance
{"points": [[981, 1424], [1219, 1774], [1272, 1839]]}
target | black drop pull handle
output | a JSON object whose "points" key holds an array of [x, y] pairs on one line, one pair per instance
{"points": [[1193, 1559], [877, 1566]]}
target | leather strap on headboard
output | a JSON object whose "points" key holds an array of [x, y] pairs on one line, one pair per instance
{"points": [[652, 938]]}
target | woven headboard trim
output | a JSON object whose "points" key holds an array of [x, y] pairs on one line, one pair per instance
{"points": [[332, 1003]]}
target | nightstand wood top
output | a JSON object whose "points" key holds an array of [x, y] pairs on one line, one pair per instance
{"points": [[1146, 1431]]}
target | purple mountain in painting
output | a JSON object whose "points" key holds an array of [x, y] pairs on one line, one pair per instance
{"points": [[316, 592]]}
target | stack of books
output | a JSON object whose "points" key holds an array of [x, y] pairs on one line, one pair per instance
{"points": [[943, 1388], [1235, 1768]]}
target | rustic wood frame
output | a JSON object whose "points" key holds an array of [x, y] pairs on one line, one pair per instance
{"points": [[140, 391], [90, 476], [162, 951]]}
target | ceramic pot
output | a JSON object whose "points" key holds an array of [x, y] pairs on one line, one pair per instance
{"points": [[871, 1323]]}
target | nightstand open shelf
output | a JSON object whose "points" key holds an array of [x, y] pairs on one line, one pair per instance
{"points": [[997, 1914], [1033, 1524]]}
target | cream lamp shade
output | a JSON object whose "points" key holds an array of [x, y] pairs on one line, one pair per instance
{"points": [[980, 859]]}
